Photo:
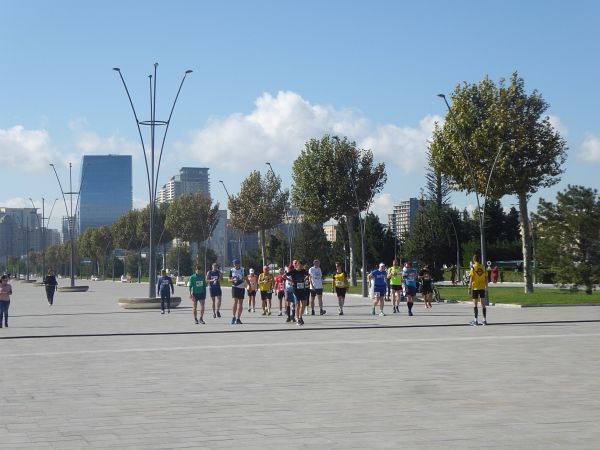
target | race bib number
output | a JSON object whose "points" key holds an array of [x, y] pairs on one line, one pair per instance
{"points": [[299, 285], [199, 283], [339, 284]]}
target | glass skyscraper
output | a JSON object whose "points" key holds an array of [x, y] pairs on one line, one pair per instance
{"points": [[106, 190]]}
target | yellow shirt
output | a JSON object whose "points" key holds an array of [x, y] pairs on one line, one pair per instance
{"points": [[395, 274], [478, 277], [340, 280], [265, 282]]}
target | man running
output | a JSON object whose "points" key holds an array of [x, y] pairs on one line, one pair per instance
{"points": [[299, 278], [477, 288], [215, 276], [251, 285], [197, 286], [237, 278], [265, 285], [409, 277], [394, 275], [164, 288], [378, 277], [315, 276], [280, 287], [339, 286], [426, 286]]}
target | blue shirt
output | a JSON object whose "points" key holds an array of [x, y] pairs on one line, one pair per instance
{"points": [[379, 278], [410, 276], [165, 284], [213, 278]]}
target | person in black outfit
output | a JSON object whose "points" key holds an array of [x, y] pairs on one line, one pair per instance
{"points": [[51, 285], [298, 276], [165, 288]]}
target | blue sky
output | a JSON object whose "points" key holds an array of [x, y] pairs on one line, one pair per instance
{"points": [[268, 75]]}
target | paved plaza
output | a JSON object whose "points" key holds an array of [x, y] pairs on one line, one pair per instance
{"points": [[86, 374]]}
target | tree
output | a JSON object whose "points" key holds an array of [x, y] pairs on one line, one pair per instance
{"points": [[259, 206], [569, 236], [379, 242], [192, 218], [311, 244], [179, 259], [125, 232], [488, 120], [437, 186], [334, 179], [161, 234]]}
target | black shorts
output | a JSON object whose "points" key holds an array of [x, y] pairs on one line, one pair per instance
{"points": [[301, 294], [426, 290], [238, 292], [396, 287], [199, 297], [478, 293], [315, 292], [281, 295], [251, 293], [341, 292], [266, 295]]}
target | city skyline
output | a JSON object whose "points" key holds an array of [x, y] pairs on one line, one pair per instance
{"points": [[269, 76]]}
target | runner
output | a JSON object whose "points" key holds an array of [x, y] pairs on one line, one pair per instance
{"points": [[237, 277], [339, 286], [427, 286], [215, 276], [290, 299], [5, 293], [409, 276], [251, 285], [164, 287], [394, 275], [477, 288], [197, 286], [280, 286], [299, 278], [316, 286], [50, 285], [266, 284], [378, 277]]}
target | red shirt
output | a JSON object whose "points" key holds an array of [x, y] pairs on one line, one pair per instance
{"points": [[280, 283]]}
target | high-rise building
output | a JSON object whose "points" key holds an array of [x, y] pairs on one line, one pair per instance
{"points": [[189, 180], [330, 232], [218, 240], [404, 217], [106, 190], [20, 232]]}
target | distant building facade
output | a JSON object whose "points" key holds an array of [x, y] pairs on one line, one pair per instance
{"points": [[404, 217], [20, 232], [106, 190], [330, 232], [189, 180]]}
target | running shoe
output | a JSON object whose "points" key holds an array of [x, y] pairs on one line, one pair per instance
{"points": [[410, 313], [301, 321], [218, 314], [202, 322], [196, 320], [269, 313], [381, 314], [214, 315], [253, 309], [233, 321], [372, 311], [473, 323], [162, 311], [289, 319], [264, 313], [280, 313], [484, 322], [249, 309], [322, 312], [238, 322], [168, 311], [341, 313], [312, 312]]}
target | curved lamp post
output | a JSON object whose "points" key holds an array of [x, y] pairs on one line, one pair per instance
{"points": [[152, 165]]}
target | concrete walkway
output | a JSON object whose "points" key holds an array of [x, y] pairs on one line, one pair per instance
{"points": [[86, 374]]}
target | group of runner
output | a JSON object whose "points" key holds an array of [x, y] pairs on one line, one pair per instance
{"points": [[299, 288]]}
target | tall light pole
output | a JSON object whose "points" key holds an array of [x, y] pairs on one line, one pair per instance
{"points": [[480, 210], [43, 225], [291, 218], [239, 234], [152, 167]]}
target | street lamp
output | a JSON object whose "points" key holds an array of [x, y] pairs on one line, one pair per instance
{"points": [[480, 210], [239, 234], [152, 168]]}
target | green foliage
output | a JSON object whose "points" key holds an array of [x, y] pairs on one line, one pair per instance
{"points": [[192, 218], [252, 260], [311, 243], [379, 243], [569, 232], [437, 186], [179, 260], [125, 232], [162, 234]]}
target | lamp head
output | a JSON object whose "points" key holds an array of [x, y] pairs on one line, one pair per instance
{"points": [[116, 69], [189, 71], [441, 95]]}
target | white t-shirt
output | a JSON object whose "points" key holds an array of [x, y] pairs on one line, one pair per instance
{"points": [[239, 274], [316, 277]]}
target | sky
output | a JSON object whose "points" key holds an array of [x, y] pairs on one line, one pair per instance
{"points": [[270, 75]]}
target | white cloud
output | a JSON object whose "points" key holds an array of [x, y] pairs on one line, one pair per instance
{"points": [[17, 202], [590, 149], [139, 203], [29, 150], [279, 126], [383, 204], [558, 125], [89, 142]]}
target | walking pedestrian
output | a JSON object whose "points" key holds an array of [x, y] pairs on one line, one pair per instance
{"points": [[378, 277], [426, 286], [237, 278], [164, 288], [280, 287], [251, 285], [394, 275], [215, 276], [266, 283], [197, 286], [409, 277], [50, 285], [299, 278], [477, 288], [339, 286], [316, 286], [5, 293]]}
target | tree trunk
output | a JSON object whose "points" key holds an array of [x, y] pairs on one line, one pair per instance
{"points": [[526, 241], [350, 227], [263, 246]]}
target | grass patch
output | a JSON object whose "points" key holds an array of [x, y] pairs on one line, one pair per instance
{"points": [[516, 295]]}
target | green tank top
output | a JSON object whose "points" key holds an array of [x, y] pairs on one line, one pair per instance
{"points": [[395, 276]]}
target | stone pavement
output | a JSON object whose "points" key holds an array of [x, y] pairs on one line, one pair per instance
{"points": [[86, 374]]}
